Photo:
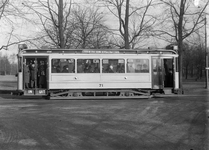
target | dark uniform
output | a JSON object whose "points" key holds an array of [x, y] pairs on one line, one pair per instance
{"points": [[42, 76], [26, 76]]}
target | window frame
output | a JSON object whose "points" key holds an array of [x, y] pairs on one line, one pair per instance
{"points": [[134, 62], [98, 67], [124, 65], [62, 66]]}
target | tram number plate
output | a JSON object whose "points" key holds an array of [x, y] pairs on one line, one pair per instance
{"points": [[100, 85]]}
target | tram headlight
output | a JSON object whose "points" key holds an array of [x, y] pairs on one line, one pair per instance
{"points": [[41, 91], [30, 91]]}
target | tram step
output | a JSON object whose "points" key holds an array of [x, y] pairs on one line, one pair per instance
{"points": [[168, 91]]}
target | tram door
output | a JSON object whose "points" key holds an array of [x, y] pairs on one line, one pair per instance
{"points": [[168, 73], [35, 75], [162, 73], [157, 73]]}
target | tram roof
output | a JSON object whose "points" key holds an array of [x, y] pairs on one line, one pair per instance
{"points": [[98, 51]]}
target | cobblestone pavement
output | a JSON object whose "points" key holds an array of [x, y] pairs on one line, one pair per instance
{"points": [[179, 122], [172, 123]]}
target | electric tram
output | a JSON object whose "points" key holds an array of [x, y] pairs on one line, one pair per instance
{"points": [[101, 73]]}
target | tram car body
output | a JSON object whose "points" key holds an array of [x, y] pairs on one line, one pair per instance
{"points": [[85, 73]]}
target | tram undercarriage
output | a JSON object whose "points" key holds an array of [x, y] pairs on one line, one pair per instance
{"points": [[100, 94]]}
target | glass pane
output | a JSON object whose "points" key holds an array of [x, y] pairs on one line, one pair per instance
{"points": [[63, 66], [88, 66], [113, 66], [138, 66]]}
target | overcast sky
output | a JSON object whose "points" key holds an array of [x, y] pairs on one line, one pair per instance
{"points": [[24, 29]]}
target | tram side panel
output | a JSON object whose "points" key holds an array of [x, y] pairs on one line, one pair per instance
{"points": [[135, 72], [99, 81], [133, 80], [64, 72], [99, 73]]}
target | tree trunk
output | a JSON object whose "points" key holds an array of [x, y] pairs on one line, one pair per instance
{"points": [[180, 45], [126, 33], [180, 67], [60, 21]]}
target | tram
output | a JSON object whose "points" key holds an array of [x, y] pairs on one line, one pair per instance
{"points": [[102, 73]]}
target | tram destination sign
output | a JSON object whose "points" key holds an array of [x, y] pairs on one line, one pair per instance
{"points": [[100, 52]]}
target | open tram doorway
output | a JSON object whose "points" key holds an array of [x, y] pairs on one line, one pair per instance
{"points": [[35, 75], [162, 73], [168, 73]]}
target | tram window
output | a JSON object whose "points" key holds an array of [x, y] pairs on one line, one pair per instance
{"points": [[63, 66], [113, 66], [137, 66], [88, 66], [157, 65]]}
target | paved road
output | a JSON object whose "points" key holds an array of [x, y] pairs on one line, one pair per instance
{"points": [[174, 123]]}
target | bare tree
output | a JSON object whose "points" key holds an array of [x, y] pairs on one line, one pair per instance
{"points": [[180, 21], [9, 14], [3, 5], [89, 27], [100, 39], [8, 64], [4, 65], [134, 21], [53, 15], [68, 25]]}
